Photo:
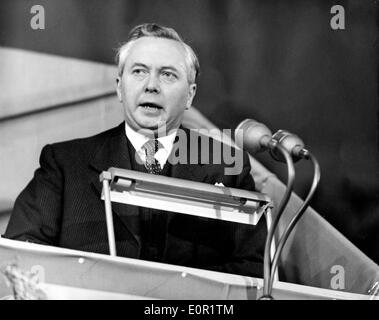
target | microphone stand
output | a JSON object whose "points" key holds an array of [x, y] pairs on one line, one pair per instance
{"points": [[267, 261], [298, 215]]}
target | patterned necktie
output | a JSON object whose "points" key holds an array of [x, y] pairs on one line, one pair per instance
{"points": [[151, 147]]}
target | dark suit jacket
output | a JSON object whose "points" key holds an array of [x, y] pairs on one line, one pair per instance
{"points": [[61, 206]]}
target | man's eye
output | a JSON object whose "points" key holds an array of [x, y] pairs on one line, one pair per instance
{"points": [[169, 75], [139, 72]]}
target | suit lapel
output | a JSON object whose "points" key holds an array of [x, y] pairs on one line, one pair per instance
{"points": [[114, 152], [185, 169]]}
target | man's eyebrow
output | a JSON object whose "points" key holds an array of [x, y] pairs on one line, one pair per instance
{"points": [[139, 64], [169, 68]]}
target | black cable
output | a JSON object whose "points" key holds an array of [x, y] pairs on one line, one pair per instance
{"points": [[283, 203], [295, 219]]}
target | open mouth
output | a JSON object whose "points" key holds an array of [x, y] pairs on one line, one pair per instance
{"points": [[150, 106]]}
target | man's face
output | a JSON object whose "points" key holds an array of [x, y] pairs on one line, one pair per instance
{"points": [[154, 88]]}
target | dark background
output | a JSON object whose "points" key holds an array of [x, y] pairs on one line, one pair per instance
{"points": [[278, 62]]}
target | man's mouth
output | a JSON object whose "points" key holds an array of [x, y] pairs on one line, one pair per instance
{"points": [[150, 106]]}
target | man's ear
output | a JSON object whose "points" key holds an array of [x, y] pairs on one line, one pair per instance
{"points": [[118, 88], [191, 95]]}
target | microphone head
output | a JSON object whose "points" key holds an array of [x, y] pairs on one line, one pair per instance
{"points": [[252, 136], [289, 141]]}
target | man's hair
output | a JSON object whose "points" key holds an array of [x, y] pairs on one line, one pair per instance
{"points": [[157, 31]]}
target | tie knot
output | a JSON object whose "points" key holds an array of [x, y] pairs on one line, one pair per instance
{"points": [[152, 146]]}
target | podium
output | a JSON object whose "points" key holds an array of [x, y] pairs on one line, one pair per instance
{"points": [[180, 196], [72, 274]]}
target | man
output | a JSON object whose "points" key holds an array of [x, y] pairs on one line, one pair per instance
{"points": [[61, 206]]}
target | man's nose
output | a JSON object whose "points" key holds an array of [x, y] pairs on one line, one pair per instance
{"points": [[152, 85]]}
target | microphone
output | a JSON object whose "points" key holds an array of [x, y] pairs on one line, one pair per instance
{"points": [[253, 136], [286, 147], [292, 143]]}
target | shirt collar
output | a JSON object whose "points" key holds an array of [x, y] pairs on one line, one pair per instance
{"points": [[138, 139]]}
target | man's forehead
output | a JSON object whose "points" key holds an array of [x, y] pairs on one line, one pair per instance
{"points": [[160, 49]]}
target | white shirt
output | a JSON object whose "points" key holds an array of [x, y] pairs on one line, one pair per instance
{"points": [[138, 140]]}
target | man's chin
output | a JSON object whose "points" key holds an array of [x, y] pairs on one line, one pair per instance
{"points": [[147, 128]]}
